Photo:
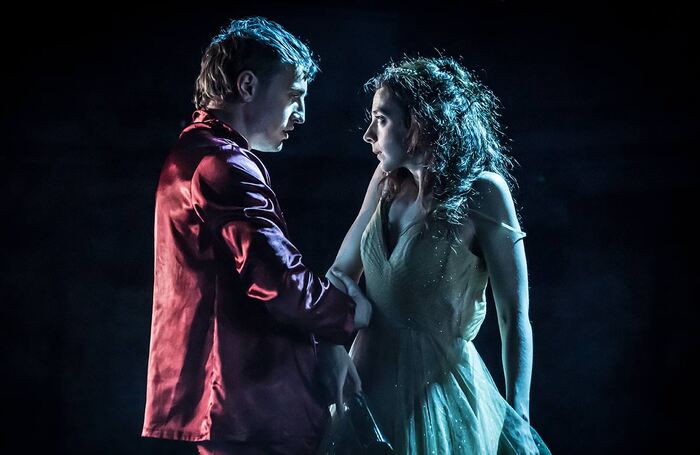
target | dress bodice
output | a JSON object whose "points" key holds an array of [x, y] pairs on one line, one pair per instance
{"points": [[429, 282]]}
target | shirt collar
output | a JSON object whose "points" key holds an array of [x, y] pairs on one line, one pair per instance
{"points": [[220, 128]]}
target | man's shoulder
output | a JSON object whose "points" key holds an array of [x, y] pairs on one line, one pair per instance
{"points": [[223, 165], [203, 137], [219, 156]]}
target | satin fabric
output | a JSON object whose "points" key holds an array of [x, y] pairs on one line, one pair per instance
{"points": [[235, 311]]}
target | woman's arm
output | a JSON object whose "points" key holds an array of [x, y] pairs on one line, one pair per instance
{"points": [[504, 253], [335, 361], [348, 259]]}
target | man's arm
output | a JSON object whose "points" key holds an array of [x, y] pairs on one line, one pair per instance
{"points": [[239, 210]]}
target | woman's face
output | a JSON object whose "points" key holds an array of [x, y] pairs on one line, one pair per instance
{"points": [[387, 132]]}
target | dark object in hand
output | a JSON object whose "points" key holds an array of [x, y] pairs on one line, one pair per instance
{"points": [[365, 427]]}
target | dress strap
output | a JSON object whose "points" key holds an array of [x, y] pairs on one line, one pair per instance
{"points": [[500, 223]]}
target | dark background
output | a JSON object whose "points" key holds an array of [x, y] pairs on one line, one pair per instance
{"points": [[598, 101]]}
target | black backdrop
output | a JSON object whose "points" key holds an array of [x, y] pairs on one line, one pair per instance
{"points": [[598, 104]]}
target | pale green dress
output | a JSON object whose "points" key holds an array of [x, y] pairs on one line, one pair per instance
{"points": [[424, 379]]}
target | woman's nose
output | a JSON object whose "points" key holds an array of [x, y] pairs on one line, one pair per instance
{"points": [[369, 136]]}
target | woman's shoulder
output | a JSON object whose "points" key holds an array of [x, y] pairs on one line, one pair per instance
{"points": [[490, 185], [491, 194], [491, 203]]}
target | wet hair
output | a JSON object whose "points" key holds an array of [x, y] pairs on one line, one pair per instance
{"points": [[255, 44], [453, 119]]}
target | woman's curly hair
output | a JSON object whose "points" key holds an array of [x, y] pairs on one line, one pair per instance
{"points": [[452, 118]]}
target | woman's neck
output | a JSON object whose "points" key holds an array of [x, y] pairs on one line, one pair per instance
{"points": [[420, 191]]}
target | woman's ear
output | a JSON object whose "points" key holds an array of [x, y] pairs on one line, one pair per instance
{"points": [[414, 147]]}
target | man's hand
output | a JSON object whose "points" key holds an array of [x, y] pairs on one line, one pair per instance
{"points": [[336, 364], [363, 308]]}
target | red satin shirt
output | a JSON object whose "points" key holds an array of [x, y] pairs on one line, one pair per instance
{"points": [[235, 311]]}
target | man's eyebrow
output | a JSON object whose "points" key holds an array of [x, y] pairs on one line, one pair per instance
{"points": [[298, 91], [380, 111]]}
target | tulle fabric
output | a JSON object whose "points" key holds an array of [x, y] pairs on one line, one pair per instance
{"points": [[425, 382], [429, 398]]}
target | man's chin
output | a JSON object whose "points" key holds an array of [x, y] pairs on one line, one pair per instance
{"points": [[269, 148]]}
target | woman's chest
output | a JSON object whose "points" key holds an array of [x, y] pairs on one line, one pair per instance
{"points": [[401, 214]]}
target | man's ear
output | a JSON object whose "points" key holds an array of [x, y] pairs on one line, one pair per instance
{"points": [[247, 85]]}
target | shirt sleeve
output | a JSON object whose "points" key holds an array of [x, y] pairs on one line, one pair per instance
{"points": [[232, 200]]}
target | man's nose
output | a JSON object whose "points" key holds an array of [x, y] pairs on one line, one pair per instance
{"points": [[299, 114]]}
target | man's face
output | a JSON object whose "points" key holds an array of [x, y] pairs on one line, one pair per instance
{"points": [[276, 107], [387, 131]]}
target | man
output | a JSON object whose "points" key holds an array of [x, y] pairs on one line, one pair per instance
{"points": [[233, 356]]}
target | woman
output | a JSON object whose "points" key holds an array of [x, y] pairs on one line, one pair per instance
{"points": [[437, 224]]}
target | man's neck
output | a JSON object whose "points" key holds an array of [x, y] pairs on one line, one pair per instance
{"points": [[233, 117]]}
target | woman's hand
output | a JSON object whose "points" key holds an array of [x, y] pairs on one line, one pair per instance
{"points": [[522, 433], [335, 366]]}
